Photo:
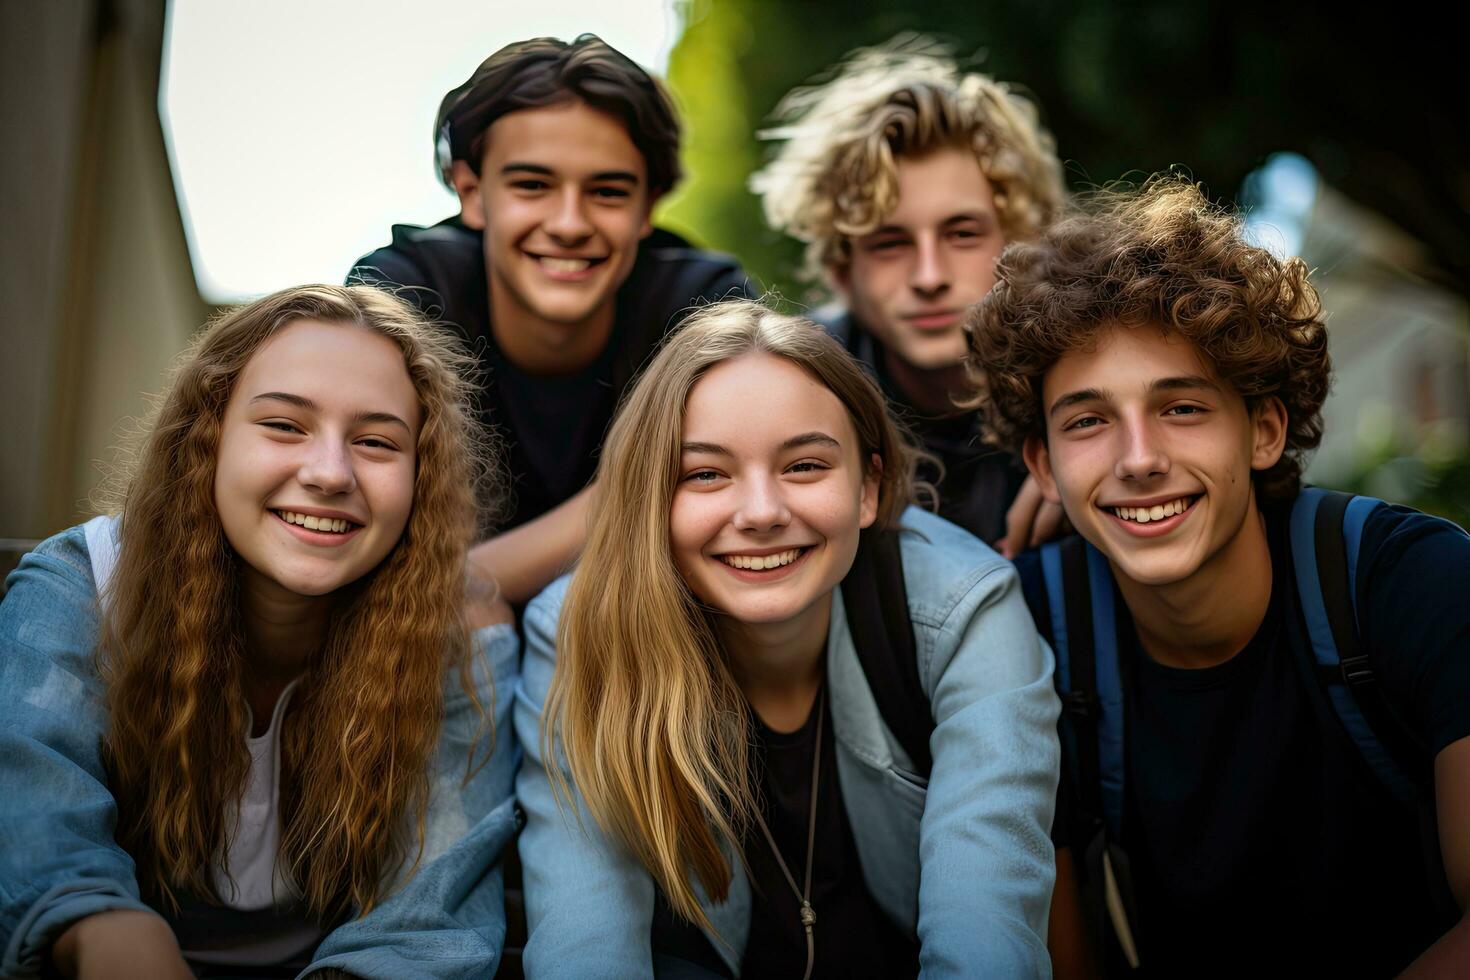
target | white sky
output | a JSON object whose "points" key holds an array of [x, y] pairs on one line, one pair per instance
{"points": [[300, 130]]}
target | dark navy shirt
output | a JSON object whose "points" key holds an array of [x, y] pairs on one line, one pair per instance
{"points": [[1259, 841]]}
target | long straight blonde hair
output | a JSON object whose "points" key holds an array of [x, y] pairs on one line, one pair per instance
{"points": [[358, 736], [646, 710]]}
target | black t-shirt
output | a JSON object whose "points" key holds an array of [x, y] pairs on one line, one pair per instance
{"points": [[977, 482], [552, 427], [853, 937], [1259, 841]]}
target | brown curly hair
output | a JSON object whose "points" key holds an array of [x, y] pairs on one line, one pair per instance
{"points": [[1161, 254]]}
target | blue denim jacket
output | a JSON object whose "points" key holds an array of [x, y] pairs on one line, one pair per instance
{"points": [[59, 862], [965, 863]]}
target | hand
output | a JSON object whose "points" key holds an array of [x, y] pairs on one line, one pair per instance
{"points": [[1032, 520], [124, 944]]}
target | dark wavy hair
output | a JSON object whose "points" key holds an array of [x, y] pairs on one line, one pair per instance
{"points": [[545, 71], [1164, 255]]}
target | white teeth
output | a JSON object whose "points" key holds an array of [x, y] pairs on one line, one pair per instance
{"points": [[761, 562], [334, 525], [1143, 515], [565, 265]]}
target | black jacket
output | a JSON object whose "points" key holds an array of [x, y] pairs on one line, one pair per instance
{"points": [[979, 482], [441, 269]]}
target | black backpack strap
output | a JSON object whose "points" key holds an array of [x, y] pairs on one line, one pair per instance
{"points": [[877, 604], [1326, 531]]}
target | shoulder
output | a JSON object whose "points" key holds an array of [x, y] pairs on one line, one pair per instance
{"points": [[673, 271], [61, 563], [50, 616], [835, 319], [545, 609], [946, 568], [1402, 541], [419, 256]]}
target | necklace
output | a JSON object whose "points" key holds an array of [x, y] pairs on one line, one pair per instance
{"points": [[804, 895]]}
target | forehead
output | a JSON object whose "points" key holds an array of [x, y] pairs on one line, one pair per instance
{"points": [[754, 402], [567, 137], [339, 366], [940, 185], [1125, 359]]}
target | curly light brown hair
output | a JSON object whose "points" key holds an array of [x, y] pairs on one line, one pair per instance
{"points": [[358, 738], [834, 176], [1163, 255]]}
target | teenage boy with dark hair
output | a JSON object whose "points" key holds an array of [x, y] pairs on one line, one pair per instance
{"points": [[906, 177], [552, 270], [1262, 794]]}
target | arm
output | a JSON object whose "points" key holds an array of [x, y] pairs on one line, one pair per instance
{"points": [[123, 944], [1067, 941], [1416, 627], [525, 559], [1449, 956], [1031, 521], [986, 860], [59, 863], [447, 920], [589, 904]]}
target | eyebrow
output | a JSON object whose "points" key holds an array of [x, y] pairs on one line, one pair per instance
{"points": [[306, 404], [1182, 382], [979, 217], [795, 442], [515, 166]]}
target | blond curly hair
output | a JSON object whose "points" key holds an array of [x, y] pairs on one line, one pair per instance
{"points": [[834, 176]]}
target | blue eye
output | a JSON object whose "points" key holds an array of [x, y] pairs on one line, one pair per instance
{"points": [[702, 476]]}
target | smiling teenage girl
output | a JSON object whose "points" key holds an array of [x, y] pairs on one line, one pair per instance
{"points": [[710, 718], [252, 703]]}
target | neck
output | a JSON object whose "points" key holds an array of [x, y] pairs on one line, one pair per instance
{"points": [[282, 631], [930, 390], [1209, 617], [537, 345], [779, 666]]}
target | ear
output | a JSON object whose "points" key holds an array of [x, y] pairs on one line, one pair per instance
{"points": [[1268, 433], [647, 228], [467, 185], [872, 482], [1038, 461], [840, 279]]}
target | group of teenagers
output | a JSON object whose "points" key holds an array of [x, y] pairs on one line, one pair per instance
{"points": [[978, 625]]}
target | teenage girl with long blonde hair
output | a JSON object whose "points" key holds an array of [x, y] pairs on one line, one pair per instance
{"points": [[251, 719], [712, 785]]}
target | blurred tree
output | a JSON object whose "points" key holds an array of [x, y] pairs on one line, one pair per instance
{"points": [[1126, 86]]}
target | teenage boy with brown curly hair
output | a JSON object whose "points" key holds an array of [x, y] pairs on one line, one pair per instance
{"points": [[906, 176], [1239, 802]]}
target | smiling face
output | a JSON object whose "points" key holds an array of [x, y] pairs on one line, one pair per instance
{"points": [[1150, 453], [562, 197], [315, 478], [771, 493], [911, 280]]}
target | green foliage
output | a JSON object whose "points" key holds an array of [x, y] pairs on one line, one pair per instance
{"points": [[1126, 86]]}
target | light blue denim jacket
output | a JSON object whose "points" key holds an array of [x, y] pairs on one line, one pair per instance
{"points": [[964, 864], [59, 862]]}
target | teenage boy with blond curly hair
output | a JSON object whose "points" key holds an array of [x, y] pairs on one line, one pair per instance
{"points": [[1261, 808], [906, 176]]}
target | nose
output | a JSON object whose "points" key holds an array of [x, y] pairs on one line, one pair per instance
{"points": [[762, 505], [1142, 455], [327, 467], [568, 223], [930, 275]]}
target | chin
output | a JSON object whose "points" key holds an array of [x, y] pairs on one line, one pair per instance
{"points": [[933, 355]]}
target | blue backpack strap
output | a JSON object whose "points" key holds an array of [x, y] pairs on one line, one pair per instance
{"points": [[1111, 760], [1326, 534], [1079, 587]]}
